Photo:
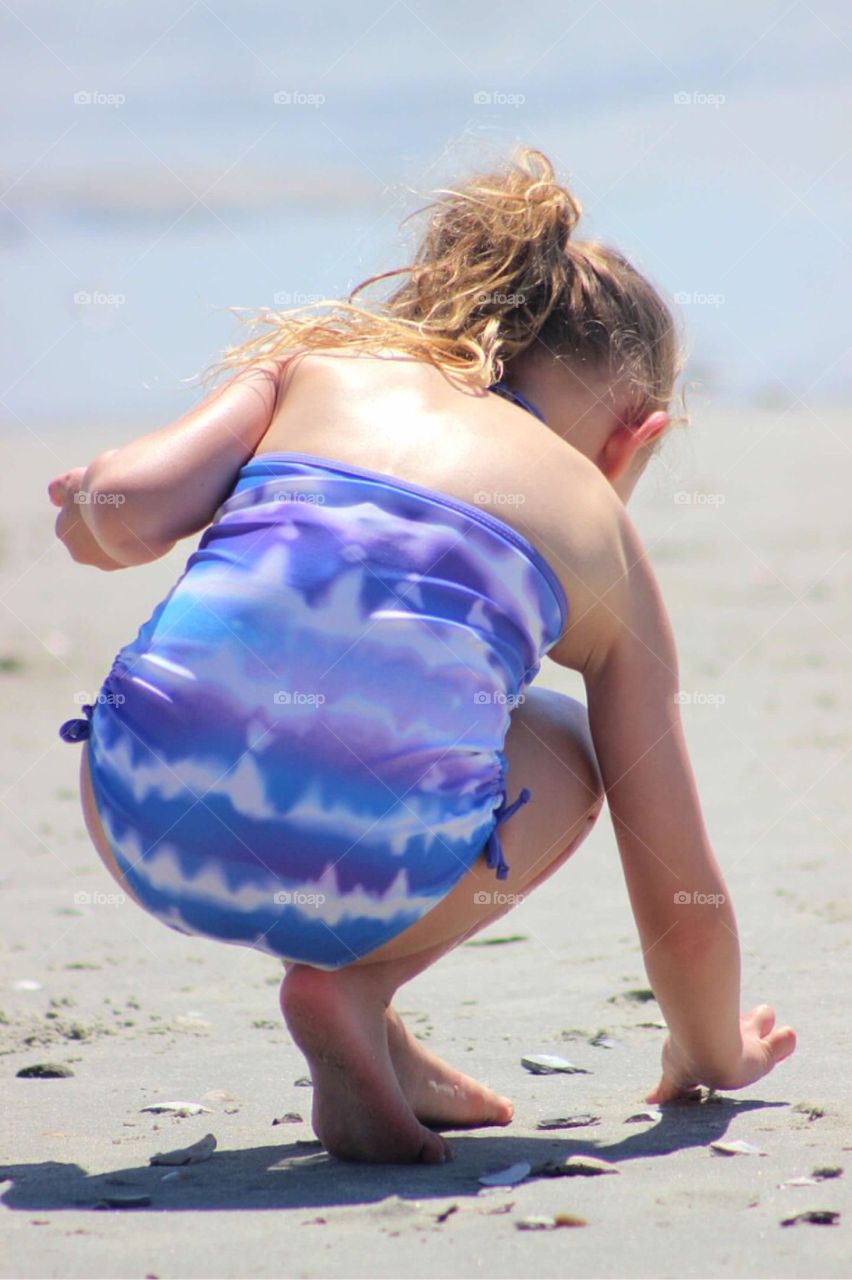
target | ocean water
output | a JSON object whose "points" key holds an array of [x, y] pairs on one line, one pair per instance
{"points": [[164, 162]]}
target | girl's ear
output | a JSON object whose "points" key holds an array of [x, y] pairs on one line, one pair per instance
{"points": [[652, 427]]}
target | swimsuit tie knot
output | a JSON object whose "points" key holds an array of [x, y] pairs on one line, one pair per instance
{"points": [[494, 850]]}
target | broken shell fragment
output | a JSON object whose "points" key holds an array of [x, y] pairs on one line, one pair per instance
{"points": [[290, 1117], [819, 1217], [124, 1202], [507, 1177], [545, 1064], [736, 1148], [577, 1167], [177, 1108], [650, 1114], [201, 1150], [569, 1122]]}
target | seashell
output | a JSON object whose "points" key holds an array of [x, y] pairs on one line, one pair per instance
{"points": [[201, 1150], [507, 1177], [177, 1108], [603, 1041], [44, 1071], [797, 1182], [638, 1116], [820, 1217], [124, 1202], [827, 1171], [736, 1148], [290, 1117], [569, 1122], [546, 1064], [577, 1167]]}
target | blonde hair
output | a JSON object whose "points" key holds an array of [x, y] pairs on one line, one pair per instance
{"points": [[497, 274]]}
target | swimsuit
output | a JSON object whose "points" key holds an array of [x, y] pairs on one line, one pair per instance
{"points": [[301, 750]]}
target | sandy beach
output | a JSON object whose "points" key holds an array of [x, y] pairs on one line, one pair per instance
{"points": [[747, 519]]}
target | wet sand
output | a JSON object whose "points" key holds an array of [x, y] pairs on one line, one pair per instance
{"points": [[748, 523]]}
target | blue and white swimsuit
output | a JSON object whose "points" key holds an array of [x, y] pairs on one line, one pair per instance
{"points": [[301, 750]]}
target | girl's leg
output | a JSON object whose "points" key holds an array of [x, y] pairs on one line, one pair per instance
{"points": [[373, 1083]]}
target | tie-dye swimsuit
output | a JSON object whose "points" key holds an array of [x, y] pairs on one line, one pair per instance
{"points": [[301, 751]]}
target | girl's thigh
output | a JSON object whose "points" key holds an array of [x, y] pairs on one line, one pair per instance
{"points": [[548, 749]]}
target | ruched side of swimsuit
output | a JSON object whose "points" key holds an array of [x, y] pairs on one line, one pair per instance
{"points": [[302, 749]]}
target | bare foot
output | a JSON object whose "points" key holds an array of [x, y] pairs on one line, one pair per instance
{"points": [[359, 1109], [438, 1094]]}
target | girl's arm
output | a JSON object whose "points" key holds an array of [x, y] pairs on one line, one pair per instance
{"points": [[141, 498], [679, 898]]}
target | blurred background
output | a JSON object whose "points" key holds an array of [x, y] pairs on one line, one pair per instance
{"points": [[164, 161]]}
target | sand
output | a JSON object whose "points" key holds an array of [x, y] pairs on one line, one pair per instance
{"points": [[756, 570]]}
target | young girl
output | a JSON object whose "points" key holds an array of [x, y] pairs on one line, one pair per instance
{"points": [[312, 742]]}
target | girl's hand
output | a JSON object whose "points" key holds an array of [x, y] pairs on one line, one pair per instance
{"points": [[762, 1049], [71, 528]]}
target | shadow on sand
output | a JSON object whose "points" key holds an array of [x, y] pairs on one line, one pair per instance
{"points": [[302, 1175]]}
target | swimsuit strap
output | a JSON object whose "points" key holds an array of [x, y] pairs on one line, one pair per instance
{"points": [[503, 390]]}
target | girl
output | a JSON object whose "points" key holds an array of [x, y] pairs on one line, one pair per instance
{"points": [[311, 743]]}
